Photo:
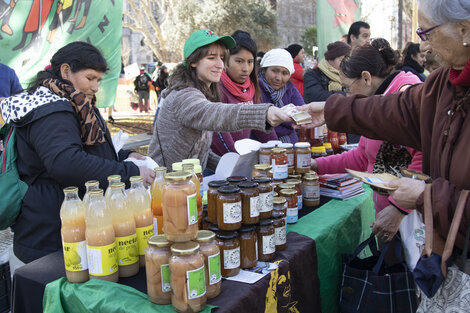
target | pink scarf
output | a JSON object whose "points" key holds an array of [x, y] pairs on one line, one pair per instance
{"points": [[243, 92]]}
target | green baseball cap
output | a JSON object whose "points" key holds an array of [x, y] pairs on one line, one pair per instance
{"points": [[205, 37]]}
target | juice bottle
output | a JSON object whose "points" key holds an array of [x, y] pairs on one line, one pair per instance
{"points": [[89, 185], [72, 215], [101, 246], [190, 169], [156, 192], [124, 230], [139, 201], [111, 179]]}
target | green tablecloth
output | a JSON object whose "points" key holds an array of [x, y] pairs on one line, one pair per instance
{"points": [[337, 227]]}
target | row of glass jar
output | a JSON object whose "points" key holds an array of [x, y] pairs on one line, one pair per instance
{"points": [[286, 158]]}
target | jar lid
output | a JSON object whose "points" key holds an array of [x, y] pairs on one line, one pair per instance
{"points": [[213, 227], [184, 248], [226, 234], [267, 145], [178, 176], [310, 177], [279, 200], [177, 166], [318, 149], [204, 236], [278, 150], [228, 189], [295, 176], [160, 169], [327, 145], [294, 181], [187, 166], [246, 229], [265, 222], [248, 184], [159, 241], [70, 189], [192, 161], [197, 169], [302, 145], [118, 185], [91, 183], [114, 177], [218, 183], [262, 167], [275, 194], [286, 186], [275, 142], [136, 178], [286, 145], [96, 192], [262, 179], [277, 214], [236, 179], [288, 192]]}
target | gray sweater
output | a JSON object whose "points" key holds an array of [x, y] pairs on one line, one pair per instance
{"points": [[185, 122]]}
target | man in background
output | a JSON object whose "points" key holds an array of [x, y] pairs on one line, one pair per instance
{"points": [[359, 34], [141, 87]]}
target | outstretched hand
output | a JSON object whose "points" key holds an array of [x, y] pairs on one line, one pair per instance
{"points": [[316, 111], [407, 192], [276, 116]]}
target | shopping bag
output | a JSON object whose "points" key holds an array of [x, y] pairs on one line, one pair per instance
{"points": [[368, 285], [412, 237]]}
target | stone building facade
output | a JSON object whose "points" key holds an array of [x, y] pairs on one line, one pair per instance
{"points": [[293, 17]]}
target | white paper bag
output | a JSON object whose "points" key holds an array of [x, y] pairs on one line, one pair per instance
{"points": [[412, 237]]}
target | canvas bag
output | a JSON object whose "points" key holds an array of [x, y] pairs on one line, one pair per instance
{"points": [[368, 285], [412, 237], [12, 188]]}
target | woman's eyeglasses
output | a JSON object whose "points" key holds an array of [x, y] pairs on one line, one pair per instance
{"points": [[423, 34], [347, 89]]}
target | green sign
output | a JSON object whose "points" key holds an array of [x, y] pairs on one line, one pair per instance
{"points": [[33, 30]]}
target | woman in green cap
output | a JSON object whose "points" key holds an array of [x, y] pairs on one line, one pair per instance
{"points": [[190, 108]]}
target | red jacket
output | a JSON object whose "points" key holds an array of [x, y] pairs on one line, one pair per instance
{"points": [[298, 77]]}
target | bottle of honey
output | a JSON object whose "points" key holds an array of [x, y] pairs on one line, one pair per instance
{"points": [[138, 199], [156, 192]]}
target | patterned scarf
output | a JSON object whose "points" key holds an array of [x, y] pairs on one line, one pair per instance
{"points": [[332, 74], [243, 92], [275, 95], [91, 132]]}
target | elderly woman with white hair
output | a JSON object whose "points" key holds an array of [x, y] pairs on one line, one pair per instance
{"points": [[433, 117], [276, 68]]}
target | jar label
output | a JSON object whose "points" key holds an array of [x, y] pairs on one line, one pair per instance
{"points": [[232, 258], [127, 250], [299, 202], [292, 215], [192, 209], [196, 283], [311, 192], [102, 260], [269, 244], [279, 171], [232, 212], [75, 258], [254, 206], [290, 160], [165, 274], [303, 160], [265, 201], [280, 235], [143, 234], [215, 274], [264, 159]]}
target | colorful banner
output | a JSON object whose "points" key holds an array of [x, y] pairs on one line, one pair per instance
{"points": [[333, 20], [31, 31]]}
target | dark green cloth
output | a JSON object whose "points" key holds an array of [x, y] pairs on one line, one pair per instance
{"points": [[97, 295], [337, 227]]}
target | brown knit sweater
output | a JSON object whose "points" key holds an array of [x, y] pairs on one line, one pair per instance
{"points": [[185, 122]]}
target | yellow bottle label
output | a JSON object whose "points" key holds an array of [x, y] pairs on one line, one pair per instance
{"points": [[75, 258], [127, 250], [102, 260], [143, 233]]}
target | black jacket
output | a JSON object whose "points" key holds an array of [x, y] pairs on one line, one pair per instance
{"points": [[49, 145], [316, 86]]}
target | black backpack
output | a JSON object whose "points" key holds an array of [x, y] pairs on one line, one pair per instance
{"points": [[142, 82]]}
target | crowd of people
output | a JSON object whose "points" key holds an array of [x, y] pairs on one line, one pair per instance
{"points": [[225, 90]]}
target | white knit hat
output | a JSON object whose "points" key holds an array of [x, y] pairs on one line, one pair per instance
{"points": [[278, 57]]}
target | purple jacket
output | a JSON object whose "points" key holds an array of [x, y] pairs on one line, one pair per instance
{"points": [[293, 96], [223, 142]]}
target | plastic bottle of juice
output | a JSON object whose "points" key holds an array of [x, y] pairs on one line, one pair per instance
{"points": [[89, 185], [190, 169], [124, 230], [72, 215], [138, 200], [111, 179], [101, 245], [156, 192]]}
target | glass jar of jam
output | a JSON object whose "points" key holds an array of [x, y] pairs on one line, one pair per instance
{"points": [[265, 153], [292, 208], [188, 288], [212, 198], [284, 186], [280, 204], [297, 185], [179, 203], [318, 152], [316, 136], [276, 185], [311, 190], [262, 170], [265, 196], [295, 176], [279, 224], [290, 156], [157, 268], [235, 180], [229, 246], [229, 208], [328, 148], [279, 163], [250, 202], [248, 246], [211, 252], [302, 157], [266, 240], [342, 138], [333, 140]]}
